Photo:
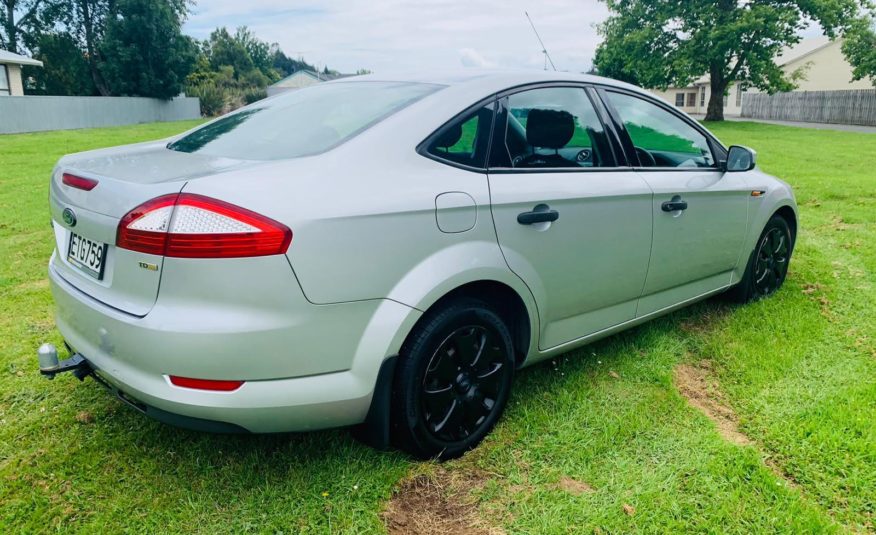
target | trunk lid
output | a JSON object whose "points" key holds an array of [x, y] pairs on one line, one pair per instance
{"points": [[127, 177]]}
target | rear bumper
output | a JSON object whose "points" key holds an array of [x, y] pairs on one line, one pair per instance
{"points": [[277, 355]]}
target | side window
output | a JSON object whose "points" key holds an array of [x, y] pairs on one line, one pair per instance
{"points": [[554, 127], [661, 138], [465, 140]]}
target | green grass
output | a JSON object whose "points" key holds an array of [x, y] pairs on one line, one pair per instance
{"points": [[650, 139], [799, 369]]}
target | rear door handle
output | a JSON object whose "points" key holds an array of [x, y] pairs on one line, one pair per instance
{"points": [[542, 213], [674, 205]]}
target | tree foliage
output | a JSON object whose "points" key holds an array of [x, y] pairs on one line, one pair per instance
{"points": [[73, 78], [235, 69], [20, 19], [144, 52], [859, 47], [658, 43], [136, 48]]}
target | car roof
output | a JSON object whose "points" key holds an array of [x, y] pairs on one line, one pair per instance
{"points": [[488, 80]]}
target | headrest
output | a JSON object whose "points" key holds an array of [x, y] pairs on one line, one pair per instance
{"points": [[449, 137], [550, 129]]}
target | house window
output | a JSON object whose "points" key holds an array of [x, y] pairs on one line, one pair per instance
{"points": [[726, 100], [691, 100], [679, 100], [4, 81], [739, 90], [702, 96]]}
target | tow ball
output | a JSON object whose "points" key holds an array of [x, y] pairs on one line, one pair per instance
{"points": [[50, 366]]}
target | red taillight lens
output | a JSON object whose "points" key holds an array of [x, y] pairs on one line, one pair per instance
{"points": [[78, 182], [193, 226], [206, 384]]}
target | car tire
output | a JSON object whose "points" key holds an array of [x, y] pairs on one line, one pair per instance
{"points": [[768, 263], [452, 381]]}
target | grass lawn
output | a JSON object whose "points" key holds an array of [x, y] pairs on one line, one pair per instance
{"points": [[600, 440]]}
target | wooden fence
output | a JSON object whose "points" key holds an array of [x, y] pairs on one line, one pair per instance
{"points": [[856, 106]]}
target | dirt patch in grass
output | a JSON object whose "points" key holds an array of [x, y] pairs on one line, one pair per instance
{"points": [[573, 486], [703, 394], [436, 504]]}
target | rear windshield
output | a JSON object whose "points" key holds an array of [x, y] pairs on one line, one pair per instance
{"points": [[303, 121]]}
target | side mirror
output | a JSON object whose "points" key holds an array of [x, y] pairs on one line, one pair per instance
{"points": [[740, 159]]}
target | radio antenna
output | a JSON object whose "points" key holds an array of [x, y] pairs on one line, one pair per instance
{"points": [[547, 57]]}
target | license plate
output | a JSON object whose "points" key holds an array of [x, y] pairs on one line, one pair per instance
{"points": [[87, 255]]}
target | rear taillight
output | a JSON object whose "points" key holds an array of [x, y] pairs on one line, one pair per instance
{"points": [[193, 226], [78, 182]]}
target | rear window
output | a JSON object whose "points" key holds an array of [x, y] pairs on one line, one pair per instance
{"points": [[303, 121]]}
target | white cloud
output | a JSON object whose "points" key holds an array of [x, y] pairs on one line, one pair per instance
{"points": [[384, 35], [470, 57]]}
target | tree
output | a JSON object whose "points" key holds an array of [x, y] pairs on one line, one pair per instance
{"points": [[860, 48], [286, 65], [65, 70], [658, 43], [12, 26], [224, 49], [144, 51]]}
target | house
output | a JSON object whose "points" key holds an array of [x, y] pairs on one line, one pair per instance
{"points": [[302, 78], [10, 73], [820, 60]]}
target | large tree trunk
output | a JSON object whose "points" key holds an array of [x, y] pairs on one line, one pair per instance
{"points": [[11, 30], [91, 49], [715, 110]]}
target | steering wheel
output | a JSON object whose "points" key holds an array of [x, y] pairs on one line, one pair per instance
{"points": [[584, 156], [645, 157]]}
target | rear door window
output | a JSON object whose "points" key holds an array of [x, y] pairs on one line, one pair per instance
{"points": [[554, 127]]}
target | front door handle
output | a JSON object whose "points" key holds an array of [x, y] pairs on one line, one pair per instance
{"points": [[542, 213], [674, 205]]}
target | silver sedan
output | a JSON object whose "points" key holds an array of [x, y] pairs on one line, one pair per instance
{"points": [[387, 252]]}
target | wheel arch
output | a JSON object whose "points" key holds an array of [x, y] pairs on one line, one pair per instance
{"points": [[790, 216], [517, 308], [502, 299]]}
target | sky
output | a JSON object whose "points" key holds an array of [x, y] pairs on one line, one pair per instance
{"points": [[398, 35]]}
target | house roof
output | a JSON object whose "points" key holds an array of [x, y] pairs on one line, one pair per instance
{"points": [[16, 59], [803, 48], [788, 54], [311, 74]]}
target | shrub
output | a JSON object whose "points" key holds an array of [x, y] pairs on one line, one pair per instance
{"points": [[211, 96], [254, 95]]}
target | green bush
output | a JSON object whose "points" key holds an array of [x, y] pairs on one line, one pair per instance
{"points": [[254, 95], [212, 98]]}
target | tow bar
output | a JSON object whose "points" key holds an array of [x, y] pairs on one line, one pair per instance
{"points": [[50, 366]]}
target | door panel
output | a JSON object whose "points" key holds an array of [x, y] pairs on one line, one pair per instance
{"points": [[574, 226], [587, 268], [694, 249], [700, 213]]}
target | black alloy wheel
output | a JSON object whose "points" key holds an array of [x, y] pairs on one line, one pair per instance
{"points": [[462, 383], [771, 261], [453, 380], [767, 266]]}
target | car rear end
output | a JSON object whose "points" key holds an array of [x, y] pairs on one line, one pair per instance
{"points": [[186, 306], [171, 278]]}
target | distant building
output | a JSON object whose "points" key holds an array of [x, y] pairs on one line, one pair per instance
{"points": [[822, 61], [302, 78], [10, 73]]}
